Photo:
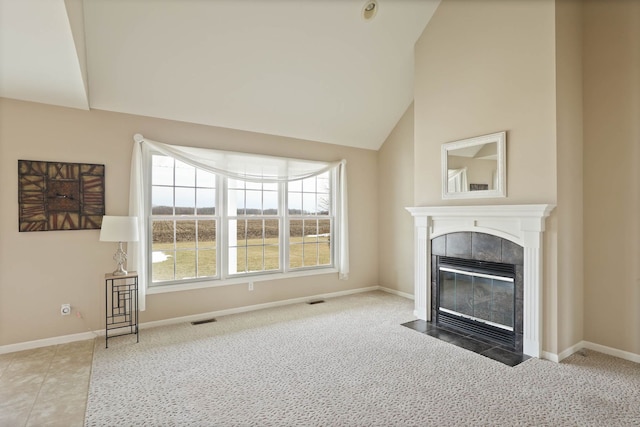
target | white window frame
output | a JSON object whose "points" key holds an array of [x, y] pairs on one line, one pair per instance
{"points": [[223, 277]]}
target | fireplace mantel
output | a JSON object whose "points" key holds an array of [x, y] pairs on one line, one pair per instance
{"points": [[521, 224]]}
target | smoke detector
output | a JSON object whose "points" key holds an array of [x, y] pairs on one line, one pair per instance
{"points": [[369, 10]]}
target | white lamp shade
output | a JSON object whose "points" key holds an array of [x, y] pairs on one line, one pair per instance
{"points": [[119, 229]]}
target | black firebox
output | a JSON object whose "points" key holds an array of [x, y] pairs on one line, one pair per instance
{"points": [[478, 298]]}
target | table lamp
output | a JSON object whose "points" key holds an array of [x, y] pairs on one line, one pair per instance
{"points": [[119, 229]]}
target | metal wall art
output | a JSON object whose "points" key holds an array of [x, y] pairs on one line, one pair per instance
{"points": [[60, 196]]}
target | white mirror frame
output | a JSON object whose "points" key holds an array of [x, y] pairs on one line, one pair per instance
{"points": [[501, 189]]}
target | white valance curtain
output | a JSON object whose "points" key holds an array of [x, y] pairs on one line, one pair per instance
{"points": [[247, 167]]}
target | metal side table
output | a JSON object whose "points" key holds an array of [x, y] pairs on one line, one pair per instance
{"points": [[121, 306]]}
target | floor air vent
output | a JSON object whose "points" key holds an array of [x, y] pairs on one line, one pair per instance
{"points": [[318, 301], [201, 322]]}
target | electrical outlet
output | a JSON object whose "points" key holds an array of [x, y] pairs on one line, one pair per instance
{"points": [[250, 286], [65, 309]]}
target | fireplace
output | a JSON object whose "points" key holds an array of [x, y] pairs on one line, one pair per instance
{"points": [[481, 293], [476, 303], [443, 232], [473, 293]]}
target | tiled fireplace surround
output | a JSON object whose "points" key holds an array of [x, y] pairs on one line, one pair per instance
{"points": [[519, 224], [481, 247]]}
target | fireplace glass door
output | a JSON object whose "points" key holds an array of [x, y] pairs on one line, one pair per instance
{"points": [[479, 297]]}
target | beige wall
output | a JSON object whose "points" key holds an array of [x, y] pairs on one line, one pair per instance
{"points": [[569, 292], [41, 270], [484, 67], [395, 192], [612, 179]]}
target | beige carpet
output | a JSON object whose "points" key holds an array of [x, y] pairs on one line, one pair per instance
{"points": [[346, 362]]}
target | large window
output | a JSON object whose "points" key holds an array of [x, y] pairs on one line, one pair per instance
{"points": [[254, 226], [183, 221], [309, 210], [208, 226]]}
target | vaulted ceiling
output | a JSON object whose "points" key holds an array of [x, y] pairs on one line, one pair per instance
{"points": [[308, 69]]}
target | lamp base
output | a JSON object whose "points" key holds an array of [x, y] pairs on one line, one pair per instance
{"points": [[120, 257], [120, 271]]}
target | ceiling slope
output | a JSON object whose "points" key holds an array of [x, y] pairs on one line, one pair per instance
{"points": [[307, 69], [39, 60]]}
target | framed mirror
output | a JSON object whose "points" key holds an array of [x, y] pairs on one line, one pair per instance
{"points": [[475, 167]]}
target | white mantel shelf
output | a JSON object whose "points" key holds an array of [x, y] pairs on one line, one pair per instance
{"points": [[521, 224]]}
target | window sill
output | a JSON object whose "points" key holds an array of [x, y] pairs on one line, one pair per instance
{"points": [[162, 289]]}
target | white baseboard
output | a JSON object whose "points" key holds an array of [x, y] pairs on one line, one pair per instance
{"points": [[626, 355], [396, 292], [28, 345], [45, 342], [569, 351], [564, 354], [237, 310], [64, 339]]}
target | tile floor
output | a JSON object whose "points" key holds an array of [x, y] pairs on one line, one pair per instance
{"points": [[45, 386], [484, 348]]}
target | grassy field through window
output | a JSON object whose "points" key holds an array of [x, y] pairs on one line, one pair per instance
{"points": [[181, 258]]}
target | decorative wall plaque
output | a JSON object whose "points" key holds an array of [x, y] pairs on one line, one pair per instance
{"points": [[60, 196]]}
